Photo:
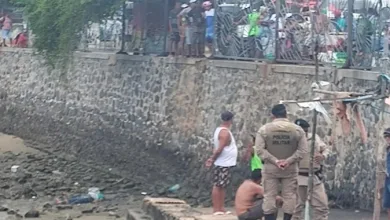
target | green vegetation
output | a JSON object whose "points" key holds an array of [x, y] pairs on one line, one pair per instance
{"points": [[57, 24]]}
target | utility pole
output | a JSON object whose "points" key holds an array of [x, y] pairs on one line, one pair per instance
{"points": [[308, 211], [380, 160], [123, 41]]}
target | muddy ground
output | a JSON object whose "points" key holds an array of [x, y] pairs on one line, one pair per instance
{"points": [[42, 178]]}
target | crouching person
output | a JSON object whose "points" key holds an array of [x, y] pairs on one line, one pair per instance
{"points": [[249, 198]]}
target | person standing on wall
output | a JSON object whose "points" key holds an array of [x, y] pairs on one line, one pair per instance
{"points": [[319, 199], [197, 28], [281, 145], [6, 29], [186, 27], [174, 38], [224, 158]]}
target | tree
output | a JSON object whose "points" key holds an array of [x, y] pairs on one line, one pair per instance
{"points": [[57, 24]]}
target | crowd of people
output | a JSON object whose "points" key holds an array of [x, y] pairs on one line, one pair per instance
{"points": [[192, 31], [280, 161], [191, 28], [20, 40]]}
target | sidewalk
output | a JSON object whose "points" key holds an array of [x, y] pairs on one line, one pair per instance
{"points": [[335, 214]]}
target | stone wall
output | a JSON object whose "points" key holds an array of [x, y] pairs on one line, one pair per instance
{"points": [[152, 118]]}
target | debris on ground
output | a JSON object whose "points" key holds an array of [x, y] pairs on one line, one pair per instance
{"points": [[3, 209], [45, 186], [46, 175], [32, 214], [174, 188]]}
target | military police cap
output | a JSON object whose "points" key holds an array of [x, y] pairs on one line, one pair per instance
{"points": [[278, 109], [302, 123]]}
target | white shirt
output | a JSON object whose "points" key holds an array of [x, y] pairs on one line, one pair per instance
{"points": [[228, 156], [209, 12]]}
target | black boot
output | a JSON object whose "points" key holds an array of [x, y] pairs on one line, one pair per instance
{"points": [[287, 216], [270, 217]]}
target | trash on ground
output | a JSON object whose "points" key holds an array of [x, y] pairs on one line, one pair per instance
{"points": [[82, 199], [14, 168], [174, 188], [95, 193]]}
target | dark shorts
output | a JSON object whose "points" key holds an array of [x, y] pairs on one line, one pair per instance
{"points": [[222, 176], [197, 37], [386, 194], [175, 37], [254, 213]]}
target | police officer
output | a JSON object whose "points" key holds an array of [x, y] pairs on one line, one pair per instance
{"points": [[281, 145], [319, 198]]}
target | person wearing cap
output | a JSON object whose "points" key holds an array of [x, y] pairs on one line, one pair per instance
{"points": [[188, 30], [196, 21], [224, 158], [281, 145], [386, 188], [182, 23], [319, 199]]}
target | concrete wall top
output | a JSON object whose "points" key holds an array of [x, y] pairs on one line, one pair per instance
{"points": [[233, 64]]}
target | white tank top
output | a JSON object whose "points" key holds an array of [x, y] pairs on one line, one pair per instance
{"points": [[228, 156]]}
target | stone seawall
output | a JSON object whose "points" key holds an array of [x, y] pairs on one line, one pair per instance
{"points": [[152, 118]]}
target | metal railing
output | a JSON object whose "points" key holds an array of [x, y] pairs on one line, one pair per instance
{"points": [[288, 31], [347, 33]]}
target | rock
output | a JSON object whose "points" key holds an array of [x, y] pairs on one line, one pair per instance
{"points": [[3, 209], [57, 173], [19, 216], [129, 185], [5, 186], [111, 180], [64, 207], [110, 209], [67, 189], [161, 191], [11, 212], [114, 214], [88, 210], [87, 178], [47, 205], [32, 214]]}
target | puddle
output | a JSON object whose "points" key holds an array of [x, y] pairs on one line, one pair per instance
{"points": [[13, 144]]}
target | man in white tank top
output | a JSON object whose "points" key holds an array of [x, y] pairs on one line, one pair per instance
{"points": [[224, 158]]}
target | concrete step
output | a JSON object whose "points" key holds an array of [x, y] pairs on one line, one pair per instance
{"points": [[174, 209], [216, 217], [137, 214]]}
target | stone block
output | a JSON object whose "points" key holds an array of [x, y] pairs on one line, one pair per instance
{"points": [[137, 215]]}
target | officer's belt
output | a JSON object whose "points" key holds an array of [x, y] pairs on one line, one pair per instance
{"points": [[307, 174]]}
